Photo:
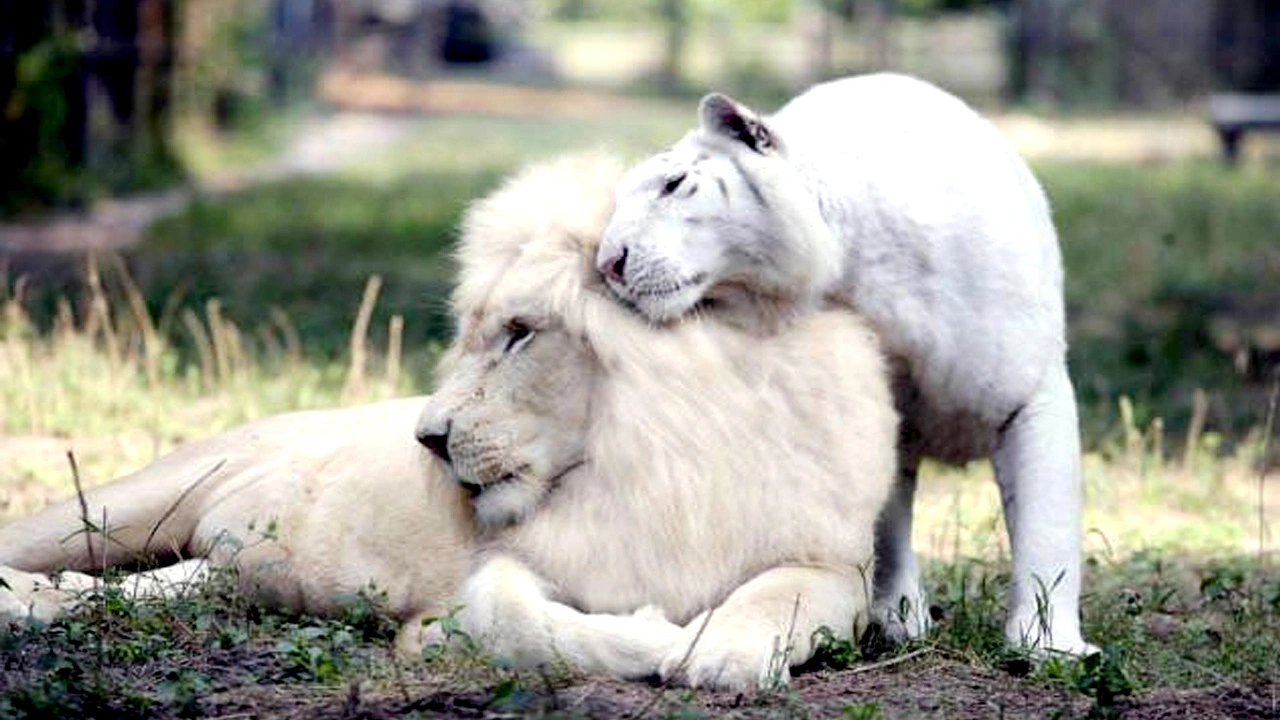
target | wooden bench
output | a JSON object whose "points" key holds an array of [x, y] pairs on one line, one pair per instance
{"points": [[1235, 114]]}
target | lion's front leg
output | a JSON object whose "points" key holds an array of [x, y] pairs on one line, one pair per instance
{"points": [[769, 625], [506, 608]]}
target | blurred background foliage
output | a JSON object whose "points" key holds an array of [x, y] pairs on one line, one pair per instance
{"points": [[92, 91]]}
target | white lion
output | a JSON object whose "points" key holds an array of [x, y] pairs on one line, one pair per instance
{"points": [[887, 195], [634, 486]]}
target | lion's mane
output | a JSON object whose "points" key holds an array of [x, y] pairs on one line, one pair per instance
{"points": [[678, 507]]}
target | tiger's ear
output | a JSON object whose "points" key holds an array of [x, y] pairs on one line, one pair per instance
{"points": [[723, 115]]}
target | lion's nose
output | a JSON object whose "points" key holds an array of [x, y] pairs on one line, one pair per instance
{"points": [[614, 267], [435, 439]]}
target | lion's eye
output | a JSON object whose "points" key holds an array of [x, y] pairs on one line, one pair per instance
{"points": [[672, 183], [518, 333]]}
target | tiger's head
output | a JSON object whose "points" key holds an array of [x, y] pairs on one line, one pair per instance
{"points": [[721, 220]]}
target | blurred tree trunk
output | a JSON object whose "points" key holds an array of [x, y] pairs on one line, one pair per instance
{"points": [[84, 98], [1018, 53], [817, 27], [878, 15], [132, 62], [154, 80], [1118, 52], [114, 63], [675, 20], [1247, 45]]}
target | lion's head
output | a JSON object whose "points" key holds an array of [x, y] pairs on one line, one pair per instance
{"points": [[510, 412]]}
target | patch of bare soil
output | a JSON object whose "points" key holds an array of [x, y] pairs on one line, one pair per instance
{"points": [[931, 687]]}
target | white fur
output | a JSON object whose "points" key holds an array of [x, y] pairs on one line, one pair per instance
{"points": [[693, 469], [887, 195]]}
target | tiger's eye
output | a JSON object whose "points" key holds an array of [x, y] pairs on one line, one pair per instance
{"points": [[672, 183]]}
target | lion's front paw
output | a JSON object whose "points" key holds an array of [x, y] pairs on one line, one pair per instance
{"points": [[727, 658], [653, 614]]}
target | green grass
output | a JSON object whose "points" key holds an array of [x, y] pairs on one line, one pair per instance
{"points": [[205, 649], [1171, 630], [308, 246], [1165, 265]]}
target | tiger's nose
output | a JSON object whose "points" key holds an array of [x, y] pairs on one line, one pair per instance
{"points": [[435, 438], [614, 267]]}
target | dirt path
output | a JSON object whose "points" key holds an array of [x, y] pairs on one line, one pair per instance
{"points": [[370, 114], [320, 144]]}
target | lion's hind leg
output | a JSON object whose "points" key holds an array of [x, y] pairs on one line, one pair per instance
{"points": [[133, 520], [505, 607], [769, 625], [27, 597]]}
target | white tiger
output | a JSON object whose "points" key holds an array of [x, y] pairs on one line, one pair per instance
{"points": [[890, 196]]}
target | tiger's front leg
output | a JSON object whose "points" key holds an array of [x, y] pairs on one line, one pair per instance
{"points": [[1037, 464]]}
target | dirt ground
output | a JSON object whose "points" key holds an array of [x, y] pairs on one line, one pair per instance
{"points": [[927, 687], [254, 680]]}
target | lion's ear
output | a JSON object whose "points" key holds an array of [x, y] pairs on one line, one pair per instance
{"points": [[722, 115]]}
